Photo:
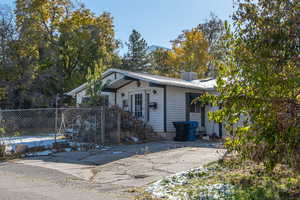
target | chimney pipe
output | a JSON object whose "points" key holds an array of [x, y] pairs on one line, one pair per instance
{"points": [[189, 76]]}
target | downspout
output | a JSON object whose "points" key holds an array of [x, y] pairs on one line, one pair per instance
{"points": [[165, 108]]}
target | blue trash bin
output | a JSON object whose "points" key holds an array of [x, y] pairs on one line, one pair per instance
{"points": [[192, 130]]}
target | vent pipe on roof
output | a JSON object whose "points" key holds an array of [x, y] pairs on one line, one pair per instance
{"points": [[189, 76]]}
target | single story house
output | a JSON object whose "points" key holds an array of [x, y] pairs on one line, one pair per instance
{"points": [[158, 100]]}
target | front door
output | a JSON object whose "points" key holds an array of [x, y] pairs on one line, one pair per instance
{"points": [[137, 105]]}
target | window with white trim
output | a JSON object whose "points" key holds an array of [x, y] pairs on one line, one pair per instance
{"points": [[138, 105]]}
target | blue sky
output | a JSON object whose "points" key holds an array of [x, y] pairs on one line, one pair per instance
{"points": [[159, 21]]}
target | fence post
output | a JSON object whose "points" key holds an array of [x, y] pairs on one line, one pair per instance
{"points": [[56, 117], [102, 124], [118, 133], [96, 134]]}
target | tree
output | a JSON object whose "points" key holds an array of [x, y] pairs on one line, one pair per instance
{"points": [[213, 30], [189, 53], [160, 64], [259, 82], [137, 58], [6, 36], [95, 85], [55, 46], [38, 30], [85, 41], [10, 74]]}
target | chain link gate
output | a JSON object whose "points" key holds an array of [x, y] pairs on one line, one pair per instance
{"points": [[79, 124]]}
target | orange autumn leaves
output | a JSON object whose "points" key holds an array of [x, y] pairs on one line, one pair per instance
{"points": [[189, 53]]}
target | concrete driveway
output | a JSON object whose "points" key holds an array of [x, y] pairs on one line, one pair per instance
{"points": [[103, 174]]}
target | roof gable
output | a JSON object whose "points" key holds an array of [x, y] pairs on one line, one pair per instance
{"points": [[205, 84]]}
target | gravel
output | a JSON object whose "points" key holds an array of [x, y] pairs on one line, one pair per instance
{"points": [[167, 187]]}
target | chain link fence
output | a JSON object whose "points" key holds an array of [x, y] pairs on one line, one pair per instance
{"points": [[76, 123], [97, 126]]}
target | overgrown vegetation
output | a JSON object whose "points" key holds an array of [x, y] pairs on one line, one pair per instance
{"points": [[253, 181], [48, 48], [259, 82], [246, 180]]}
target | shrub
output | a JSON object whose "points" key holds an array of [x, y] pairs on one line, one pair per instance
{"points": [[259, 84]]}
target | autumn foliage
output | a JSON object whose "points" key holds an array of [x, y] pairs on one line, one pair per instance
{"points": [[259, 82]]}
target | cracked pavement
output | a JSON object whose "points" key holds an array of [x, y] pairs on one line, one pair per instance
{"points": [[106, 174]]}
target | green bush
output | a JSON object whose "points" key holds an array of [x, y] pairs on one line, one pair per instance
{"points": [[258, 83]]}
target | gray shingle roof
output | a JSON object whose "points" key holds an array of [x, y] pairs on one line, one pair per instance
{"points": [[204, 84]]}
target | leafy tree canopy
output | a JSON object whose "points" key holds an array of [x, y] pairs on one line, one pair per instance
{"points": [[189, 53], [53, 47], [259, 82]]}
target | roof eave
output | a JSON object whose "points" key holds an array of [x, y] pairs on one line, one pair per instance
{"points": [[112, 70]]}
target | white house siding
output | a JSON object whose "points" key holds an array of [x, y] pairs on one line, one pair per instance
{"points": [[156, 117], [176, 110], [176, 106]]}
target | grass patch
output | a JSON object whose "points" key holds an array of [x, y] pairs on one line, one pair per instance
{"points": [[253, 181], [142, 194], [232, 179]]}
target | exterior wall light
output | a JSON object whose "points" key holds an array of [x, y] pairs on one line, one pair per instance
{"points": [[153, 105]]}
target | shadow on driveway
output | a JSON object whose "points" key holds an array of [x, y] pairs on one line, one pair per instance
{"points": [[118, 169], [114, 153]]}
